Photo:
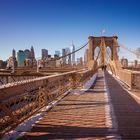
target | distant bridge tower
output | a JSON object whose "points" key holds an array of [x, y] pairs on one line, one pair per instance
{"points": [[102, 42]]}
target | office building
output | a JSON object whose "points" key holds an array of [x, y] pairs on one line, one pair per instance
{"points": [[64, 60], [57, 53], [44, 53], [27, 53], [14, 58], [32, 54], [21, 56], [13, 53], [68, 51]]}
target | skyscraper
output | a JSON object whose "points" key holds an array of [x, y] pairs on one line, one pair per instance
{"points": [[13, 53], [64, 58], [44, 53], [69, 56], [57, 53], [14, 57], [21, 56], [32, 54], [27, 53]]}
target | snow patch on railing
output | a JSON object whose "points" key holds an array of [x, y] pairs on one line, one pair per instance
{"points": [[86, 86]]}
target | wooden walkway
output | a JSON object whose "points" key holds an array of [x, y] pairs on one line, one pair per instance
{"points": [[97, 114]]}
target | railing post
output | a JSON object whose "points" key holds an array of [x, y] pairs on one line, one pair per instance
{"points": [[42, 97], [73, 81], [80, 80], [61, 87], [10, 117]]}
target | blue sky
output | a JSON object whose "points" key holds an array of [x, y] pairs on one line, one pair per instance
{"points": [[55, 24]]}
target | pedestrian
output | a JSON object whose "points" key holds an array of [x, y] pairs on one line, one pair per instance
{"points": [[102, 67], [105, 67]]}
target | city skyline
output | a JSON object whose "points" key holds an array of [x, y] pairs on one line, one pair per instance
{"points": [[55, 24], [43, 52]]}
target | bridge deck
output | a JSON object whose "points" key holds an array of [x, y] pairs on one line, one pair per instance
{"points": [[95, 114], [126, 109]]}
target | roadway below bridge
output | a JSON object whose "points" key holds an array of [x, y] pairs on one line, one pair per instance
{"points": [[107, 111]]}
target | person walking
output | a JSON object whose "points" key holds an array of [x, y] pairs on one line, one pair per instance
{"points": [[105, 67], [102, 67]]}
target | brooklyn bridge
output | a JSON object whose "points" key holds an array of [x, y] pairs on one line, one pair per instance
{"points": [[99, 99]]}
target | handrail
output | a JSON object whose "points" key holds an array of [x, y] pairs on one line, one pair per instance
{"points": [[22, 99]]}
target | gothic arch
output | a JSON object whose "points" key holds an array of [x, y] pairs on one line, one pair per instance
{"points": [[103, 42]]}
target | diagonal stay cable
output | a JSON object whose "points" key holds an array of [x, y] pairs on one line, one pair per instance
{"points": [[130, 51]]}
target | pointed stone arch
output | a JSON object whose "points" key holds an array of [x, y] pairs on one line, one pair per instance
{"points": [[103, 42]]}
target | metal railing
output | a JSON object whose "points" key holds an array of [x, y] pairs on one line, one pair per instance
{"points": [[21, 100], [129, 77]]}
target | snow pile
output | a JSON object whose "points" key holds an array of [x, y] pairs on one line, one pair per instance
{"points": [[89, 83], [86, 86], [22, 128]]}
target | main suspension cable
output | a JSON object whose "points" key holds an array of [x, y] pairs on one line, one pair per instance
{"points": [[71, 52]]}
